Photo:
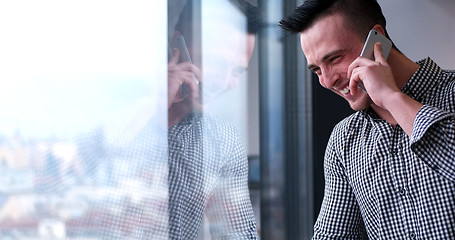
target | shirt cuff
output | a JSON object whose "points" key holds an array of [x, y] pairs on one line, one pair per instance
{"points": [[427, 117]]}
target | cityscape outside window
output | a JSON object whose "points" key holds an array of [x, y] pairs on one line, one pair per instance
{"points": [[92, 145]]}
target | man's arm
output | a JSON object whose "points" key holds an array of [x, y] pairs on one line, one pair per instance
{"points": [[404, 109], [339, 217], [432, 130], [229, 209], [382, 88], [433, 140]]}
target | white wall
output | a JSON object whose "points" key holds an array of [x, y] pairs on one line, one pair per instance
{"points": [[422, 28]]}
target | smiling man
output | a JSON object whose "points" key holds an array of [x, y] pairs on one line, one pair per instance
{"points": [[389, 167]]}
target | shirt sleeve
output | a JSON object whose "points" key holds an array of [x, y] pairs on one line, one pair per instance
{"points": [[229, 209], [339, 217], [433, 140]]}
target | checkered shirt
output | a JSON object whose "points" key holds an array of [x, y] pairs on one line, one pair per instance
{"points": [[208, 173], [173, 178], [383, 184]]}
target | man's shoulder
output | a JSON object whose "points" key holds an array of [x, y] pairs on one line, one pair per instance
{"points": [[351, 122], [215, 124], [449, 74]]}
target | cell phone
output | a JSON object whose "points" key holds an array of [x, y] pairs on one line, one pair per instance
{"points": [[368, 48], [180, 44], [373, 37]]}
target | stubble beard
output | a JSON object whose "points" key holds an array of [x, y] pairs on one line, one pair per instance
{"points": [[360, 103]]}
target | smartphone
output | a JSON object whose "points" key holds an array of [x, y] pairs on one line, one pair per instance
{"points": [[180, 44], [368, 48], [373, 37]]}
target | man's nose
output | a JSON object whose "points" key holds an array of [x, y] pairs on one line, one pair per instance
{"points": [[329, 79]]}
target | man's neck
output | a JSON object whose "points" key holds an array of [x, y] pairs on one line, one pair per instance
{"points": [[177, 113], [402, 67]]}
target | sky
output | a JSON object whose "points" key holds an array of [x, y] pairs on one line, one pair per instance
{"points": [[66, 66]]}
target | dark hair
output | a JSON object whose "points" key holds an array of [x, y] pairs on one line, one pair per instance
{"points": [[361, 15], [252, 14], [249, 11]]}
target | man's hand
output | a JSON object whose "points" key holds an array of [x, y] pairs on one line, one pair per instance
{"points": [[376, 76], [382, 88], [183, 80]]}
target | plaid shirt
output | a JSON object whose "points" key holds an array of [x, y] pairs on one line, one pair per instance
{"points": [[208, 173], [387, 185], [198, 167]]}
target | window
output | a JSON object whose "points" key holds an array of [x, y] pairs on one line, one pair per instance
{"points": [[78, 79], [152, 120]]}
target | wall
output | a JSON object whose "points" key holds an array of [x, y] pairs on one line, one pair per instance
{"points": [[421, 28]]}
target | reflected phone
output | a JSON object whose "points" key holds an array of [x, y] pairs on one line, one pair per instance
{"points": [[368, 48], [180, 44]]}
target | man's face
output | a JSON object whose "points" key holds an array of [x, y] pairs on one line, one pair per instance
{"points": [[222, 59], [225, 59], [330, 47]]}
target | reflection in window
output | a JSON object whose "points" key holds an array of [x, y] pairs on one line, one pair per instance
{"points": [[211, 45], [88, 149]]}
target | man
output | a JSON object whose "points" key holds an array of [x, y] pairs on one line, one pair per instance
{"points": [[389, 167], [207, 162], [200, 170]]}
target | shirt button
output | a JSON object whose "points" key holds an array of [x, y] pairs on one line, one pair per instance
{"points": [[402, 191], [435, 168], [412, 235], [394, 151]]}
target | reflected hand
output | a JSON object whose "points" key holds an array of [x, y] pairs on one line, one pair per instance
{"points": [[183, 80]]}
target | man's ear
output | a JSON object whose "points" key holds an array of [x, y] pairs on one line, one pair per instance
{"points": [[380, 29]]}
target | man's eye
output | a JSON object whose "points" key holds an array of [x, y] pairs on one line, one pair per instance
{"points": [[317, 71], [238, 71], [332, 59]]}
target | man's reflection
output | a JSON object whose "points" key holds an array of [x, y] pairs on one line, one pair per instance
{"points": [[207, 161]]}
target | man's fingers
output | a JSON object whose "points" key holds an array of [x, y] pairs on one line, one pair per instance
{"points": [[378, 53], [192, 85], [175, 56]]}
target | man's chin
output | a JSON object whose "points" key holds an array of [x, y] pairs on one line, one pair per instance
{"points": [[360, 104]]}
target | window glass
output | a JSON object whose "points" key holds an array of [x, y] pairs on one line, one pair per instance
{"points": [[96, 144], [210, 138], [79, 81]]}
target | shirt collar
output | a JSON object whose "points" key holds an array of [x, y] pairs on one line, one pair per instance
{"points": [[423, 80], [188, 122]]}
